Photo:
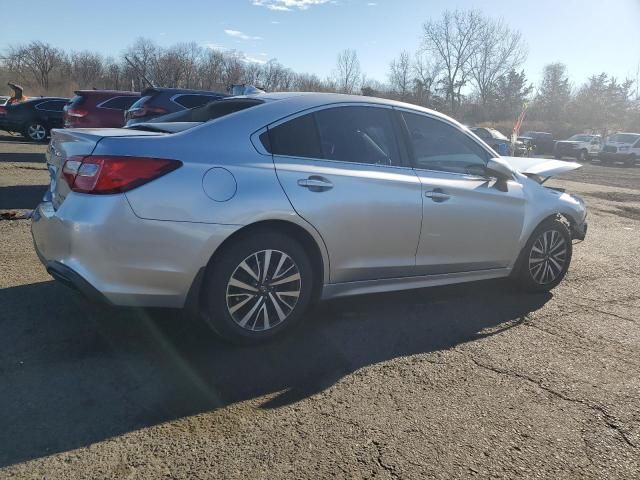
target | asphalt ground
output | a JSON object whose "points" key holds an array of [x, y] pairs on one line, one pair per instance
{"points": [[466, 381]]}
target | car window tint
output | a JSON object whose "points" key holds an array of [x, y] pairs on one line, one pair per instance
{"points": [[119, 103], [191, 101], [358, 134], [296, 138], [439, 146], [52, 105]]}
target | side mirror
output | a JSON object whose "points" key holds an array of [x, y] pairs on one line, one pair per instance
{"points": [[498, 167]]}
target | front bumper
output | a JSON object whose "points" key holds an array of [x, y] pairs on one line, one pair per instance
{"points": [[579, 231], [614, 157]]}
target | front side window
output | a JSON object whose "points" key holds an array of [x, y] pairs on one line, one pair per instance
{"points": [[439, 146], [52, 106]]}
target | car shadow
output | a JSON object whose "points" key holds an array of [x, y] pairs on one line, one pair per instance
{"points": [[74, 373], [21, 196], [22, 157]]}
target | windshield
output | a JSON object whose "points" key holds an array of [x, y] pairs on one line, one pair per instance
{"points": [[210, 111], [624, 137]]}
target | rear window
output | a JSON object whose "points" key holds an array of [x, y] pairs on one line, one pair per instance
{"points": [[210, 110], [119, 103], [193, 100], [141, 101], [77, 100]]}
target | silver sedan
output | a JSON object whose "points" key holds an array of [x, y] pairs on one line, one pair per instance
{"points": [[249, 208]]}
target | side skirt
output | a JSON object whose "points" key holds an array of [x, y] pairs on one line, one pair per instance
{"points": [[334, 290]]}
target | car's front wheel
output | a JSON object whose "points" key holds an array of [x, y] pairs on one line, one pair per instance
{"points": [[36, 132], [582, 156], [545, 258], [257, 287]]}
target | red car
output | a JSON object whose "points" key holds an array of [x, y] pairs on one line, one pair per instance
{"points": [[98, 108]]}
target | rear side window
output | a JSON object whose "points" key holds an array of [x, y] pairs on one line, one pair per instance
{"points": [[52, 106], [192, 101], [119, 103], [439, 146], [296, 138], [357, 134]]}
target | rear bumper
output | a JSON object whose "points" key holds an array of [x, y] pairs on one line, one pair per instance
{"points": [[97, 245]]}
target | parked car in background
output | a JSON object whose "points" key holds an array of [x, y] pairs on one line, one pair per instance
{"points": [[98, 108], [154, 102], [621, 147], [582, 147], [3, 100], [494, 139], [524, 147], [395, 195], [542, 141], [33, 118]]}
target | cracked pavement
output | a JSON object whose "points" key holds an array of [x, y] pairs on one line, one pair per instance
{"points": [[467, 381]]}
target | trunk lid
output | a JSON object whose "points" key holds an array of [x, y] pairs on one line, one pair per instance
{"points": [[542, 167], [76, 142]]}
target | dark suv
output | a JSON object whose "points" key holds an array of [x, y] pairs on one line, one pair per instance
{"points": [[98, 108], [33, 118], [160, 101], [542, 141]]}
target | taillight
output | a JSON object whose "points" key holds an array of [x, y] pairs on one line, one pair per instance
{"points": [[145, 110], [77, 112], [103, 174]]}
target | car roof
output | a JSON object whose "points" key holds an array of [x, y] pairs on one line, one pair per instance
{"points": [[106, 92], [151, 90], [316, 99]]}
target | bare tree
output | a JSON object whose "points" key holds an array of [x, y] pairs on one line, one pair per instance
{"points": [[347, 74], [454, 40], [400, 75], [143, 55], [426, 73], [86, 68], [499, 51], [211, 70], [35, 61]]}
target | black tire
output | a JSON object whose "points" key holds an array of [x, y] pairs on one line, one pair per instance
{"points": [[526, 271], [220, 297], [557, 157], [36, 131], [582, 156]]}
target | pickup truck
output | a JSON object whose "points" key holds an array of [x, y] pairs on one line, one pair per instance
{"points": [[582, 147]]}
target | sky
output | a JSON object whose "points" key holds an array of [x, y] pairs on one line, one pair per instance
{"points": [[589, 36]]}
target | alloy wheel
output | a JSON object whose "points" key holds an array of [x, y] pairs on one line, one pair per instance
{"points": [[263, 290], [36, 132], [547, 257]]}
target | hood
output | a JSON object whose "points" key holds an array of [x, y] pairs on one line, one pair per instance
{"points": [[569, 141], [542, 167]]}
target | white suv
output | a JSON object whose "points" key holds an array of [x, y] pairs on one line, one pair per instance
{"points": [[621, 147], [580, 146]]}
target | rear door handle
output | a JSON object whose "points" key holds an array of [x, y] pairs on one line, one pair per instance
{"points": [[316, 183], [437, 195]]}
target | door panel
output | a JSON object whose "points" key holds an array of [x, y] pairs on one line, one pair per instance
{"points": [[468, 224], [368, 215]]}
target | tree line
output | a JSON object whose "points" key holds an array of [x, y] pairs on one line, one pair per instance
{"points": [[466, 64]]}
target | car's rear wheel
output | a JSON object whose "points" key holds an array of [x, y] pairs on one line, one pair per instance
{"points": [[257, 287], [582, 156], [36, 132], [545, 259]]}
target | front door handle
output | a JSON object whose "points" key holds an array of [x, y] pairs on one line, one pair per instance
{"points": [[437, 195], [316, 183]]}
